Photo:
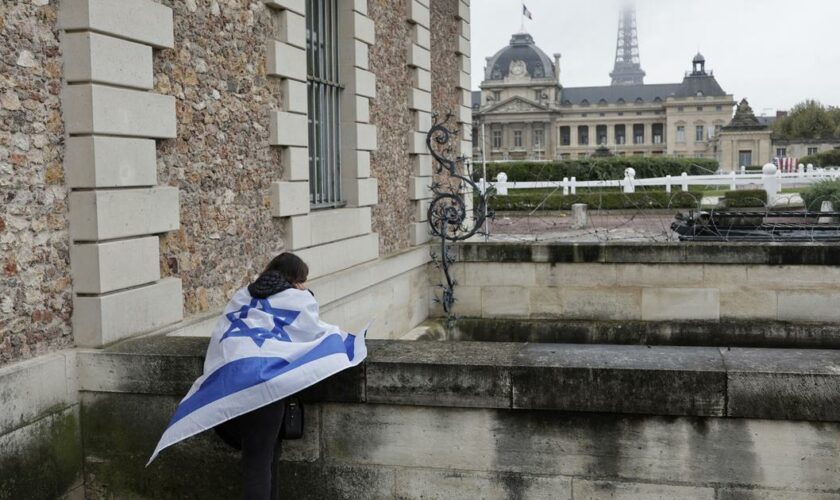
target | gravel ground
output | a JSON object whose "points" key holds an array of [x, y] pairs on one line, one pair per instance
{"points": [[603, 226], [613, 225]]}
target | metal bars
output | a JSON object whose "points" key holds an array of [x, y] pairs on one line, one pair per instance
{"points": [[324, 93]]}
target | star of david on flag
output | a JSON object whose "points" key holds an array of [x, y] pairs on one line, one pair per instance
{"points": [[262, 350], [239, 328]]}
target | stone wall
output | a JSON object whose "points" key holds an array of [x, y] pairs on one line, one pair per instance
{"points": [[794, 283], [389, 112], [221, 159], [40, 432], [493, 420], [35, 290], [445, 63]]}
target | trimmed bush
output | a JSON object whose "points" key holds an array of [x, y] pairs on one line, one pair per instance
{"points": [[746, 198], [820, 191], [592, 169], [522, 200], [829, 158]]}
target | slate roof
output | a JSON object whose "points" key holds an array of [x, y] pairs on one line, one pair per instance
{"points": [[648, 93], [692, 84], [745, 119], [476, 98], [521, 48], [612, 94]]}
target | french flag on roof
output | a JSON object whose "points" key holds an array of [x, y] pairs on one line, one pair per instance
{"points": [[526, 12]]}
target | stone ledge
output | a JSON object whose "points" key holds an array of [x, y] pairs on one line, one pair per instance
{"points": [[143, 21], [803, 254], [100, 109], [674, 381]]}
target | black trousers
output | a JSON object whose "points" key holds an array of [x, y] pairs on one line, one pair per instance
{"points": [[257, 433]]}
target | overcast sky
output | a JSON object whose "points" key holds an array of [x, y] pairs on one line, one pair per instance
{"points": [[776, 53]]}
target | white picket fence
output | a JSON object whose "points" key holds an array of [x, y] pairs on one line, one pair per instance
{"points": [[770, 179]]}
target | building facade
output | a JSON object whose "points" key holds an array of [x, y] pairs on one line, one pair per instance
{"points": [[523, 111], [744, 142], [155, 155], [800, 148]]}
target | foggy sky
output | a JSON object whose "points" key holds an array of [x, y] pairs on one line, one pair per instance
{"points": [[776, 53]]}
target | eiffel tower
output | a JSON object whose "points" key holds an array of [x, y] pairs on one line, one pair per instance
{"points": [[627, 70]]}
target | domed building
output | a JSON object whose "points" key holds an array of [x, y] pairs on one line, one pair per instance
{"points": [[524, 112]]}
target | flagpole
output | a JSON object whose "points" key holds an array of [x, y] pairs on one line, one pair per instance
{"points": [[522, 22]]}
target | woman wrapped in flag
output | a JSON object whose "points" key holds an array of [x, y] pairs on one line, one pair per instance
{"points": [[268, 344]]}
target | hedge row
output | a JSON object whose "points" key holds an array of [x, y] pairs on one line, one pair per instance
{"points": [[818, 192], [830, 158], [746, 198], [591, 169], [524, 201]]}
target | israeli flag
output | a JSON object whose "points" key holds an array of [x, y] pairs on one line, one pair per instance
{"points": [[261, 351]]}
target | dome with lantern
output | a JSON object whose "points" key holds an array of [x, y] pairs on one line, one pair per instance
{"points": [[521, 58]]}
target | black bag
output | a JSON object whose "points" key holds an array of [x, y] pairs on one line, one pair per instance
{"points": [[293, 419]]}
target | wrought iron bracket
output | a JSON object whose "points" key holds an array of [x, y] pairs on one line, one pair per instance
{"points": [[451, 219]]}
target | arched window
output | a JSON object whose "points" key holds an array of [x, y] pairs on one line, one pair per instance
{"points": [[602, 102], [639, 100], [584, 102]]}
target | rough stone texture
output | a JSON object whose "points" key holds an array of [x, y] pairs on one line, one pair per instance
{"points": [[35, 287], [221, 160], [391, 164], [445, 66], [445, 63]]}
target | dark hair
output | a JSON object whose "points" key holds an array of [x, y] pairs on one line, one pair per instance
{"points": [[292, 267]]}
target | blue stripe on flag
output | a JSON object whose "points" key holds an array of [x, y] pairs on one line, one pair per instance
{"points": [[243, 373], [350, 346]]}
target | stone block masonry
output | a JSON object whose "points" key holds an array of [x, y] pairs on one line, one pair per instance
{"points": [[290, 196], [116, 207], [420, 104], [391, 162], [495, 420], [727, 282], [221, 160]]}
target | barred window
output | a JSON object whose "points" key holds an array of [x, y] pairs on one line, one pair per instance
{"points": [[324, 92]]}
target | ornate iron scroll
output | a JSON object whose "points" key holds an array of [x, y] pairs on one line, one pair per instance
{"points": [[449, 215]]}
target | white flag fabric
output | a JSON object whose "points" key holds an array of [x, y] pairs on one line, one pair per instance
{"points": [[261, 351]]}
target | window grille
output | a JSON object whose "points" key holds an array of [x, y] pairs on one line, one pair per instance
{"points": [[324, 93]]}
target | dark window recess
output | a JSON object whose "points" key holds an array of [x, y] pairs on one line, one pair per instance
{"points": [[324, 90]]}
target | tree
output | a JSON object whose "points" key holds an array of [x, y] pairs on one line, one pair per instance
{"points": [[834, 113], [809, 120]]}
